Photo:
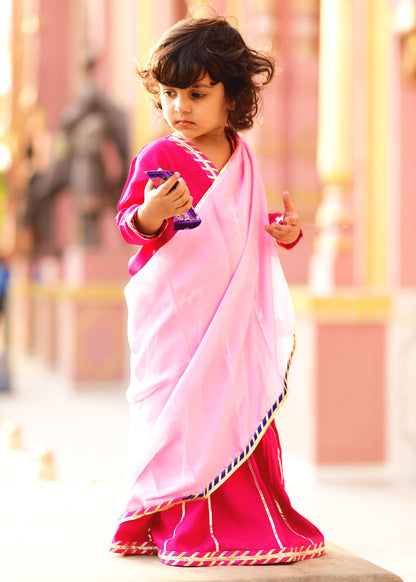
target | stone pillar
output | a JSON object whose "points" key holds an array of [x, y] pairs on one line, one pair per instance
{"points": [[349, 306], [405, 25], [332, 263], [402, 339], [284, 135]]}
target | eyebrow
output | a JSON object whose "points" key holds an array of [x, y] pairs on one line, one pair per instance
{"points": [[196, 85], [206, 85]]}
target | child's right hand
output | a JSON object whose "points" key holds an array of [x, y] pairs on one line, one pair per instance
{"points": [[163, 202]]}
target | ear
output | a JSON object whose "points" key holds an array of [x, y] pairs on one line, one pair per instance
{"points": [[230, 100]]}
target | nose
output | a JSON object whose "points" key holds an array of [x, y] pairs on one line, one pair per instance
{"points": [[182, 104]]}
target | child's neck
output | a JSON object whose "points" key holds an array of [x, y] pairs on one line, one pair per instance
{"points": [[216, 148]]}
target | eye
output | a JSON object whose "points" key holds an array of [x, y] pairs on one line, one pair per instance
{"points": [[168, 93], [196, 95]]}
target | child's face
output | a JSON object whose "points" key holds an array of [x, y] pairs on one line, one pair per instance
{"points": [[198, 111]]}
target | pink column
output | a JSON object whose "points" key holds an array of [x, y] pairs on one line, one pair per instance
{"points": [[350, 302], [54, 59], [284, 137], [407, 275]]}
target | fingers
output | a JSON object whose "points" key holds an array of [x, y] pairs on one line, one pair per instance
{"points": [[172, 182], [168, 184], [287, 203], [173, 186], [162, 186], [173, 194], [276, 230], [283, 233], [290, 216], [179, 190], [184, 207], [286, 228], [180, 197]]}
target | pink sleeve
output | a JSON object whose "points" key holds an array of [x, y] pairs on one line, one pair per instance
{"points": [[272, 218], [131, 199]]}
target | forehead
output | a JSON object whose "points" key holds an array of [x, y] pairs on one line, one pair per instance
{"points": [[203, 82]]}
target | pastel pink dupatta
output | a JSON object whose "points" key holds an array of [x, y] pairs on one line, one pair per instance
{"points": [[211, 334]]}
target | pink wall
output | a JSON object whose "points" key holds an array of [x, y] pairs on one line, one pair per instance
{"points": [[91, 340], [350, 402], [286, 141], [103, 71], [54, 54]]}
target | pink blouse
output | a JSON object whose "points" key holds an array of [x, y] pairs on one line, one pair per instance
{"points": [[167, 153]]}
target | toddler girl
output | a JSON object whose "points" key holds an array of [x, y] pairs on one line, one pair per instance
{"points": [[210, 325]]}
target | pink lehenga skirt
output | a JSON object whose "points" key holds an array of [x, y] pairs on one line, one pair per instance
{"points": [[248, 520]]}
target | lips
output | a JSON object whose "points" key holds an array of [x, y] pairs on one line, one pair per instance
{"points": [[183, 122]]}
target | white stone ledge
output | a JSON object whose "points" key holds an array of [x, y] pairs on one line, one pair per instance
{"points": [[337, 565]]}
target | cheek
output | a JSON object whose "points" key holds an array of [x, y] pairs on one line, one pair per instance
{"points": [[165, 108], [219, 110]]}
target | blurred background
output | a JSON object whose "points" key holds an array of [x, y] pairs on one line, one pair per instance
{"points": [[337, 130]]}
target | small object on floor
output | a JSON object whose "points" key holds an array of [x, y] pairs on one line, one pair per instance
{"points": [[46, 469], [13, 434]]}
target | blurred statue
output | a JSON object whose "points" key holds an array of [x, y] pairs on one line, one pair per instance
{"points": [[37, 214], [93, 165], [97, 151]]}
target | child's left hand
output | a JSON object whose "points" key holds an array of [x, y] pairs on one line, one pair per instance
{"points": [[287, 230]]}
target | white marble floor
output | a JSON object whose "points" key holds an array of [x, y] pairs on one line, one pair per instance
{"points": [[87, 431]]}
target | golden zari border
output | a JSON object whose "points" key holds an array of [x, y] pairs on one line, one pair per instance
{"points": [[242, 558], [138, 549]]}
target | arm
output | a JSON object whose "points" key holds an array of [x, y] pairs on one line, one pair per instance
{"points": [[130, 202]]}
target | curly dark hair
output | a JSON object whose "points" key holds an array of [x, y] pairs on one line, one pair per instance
{"points": [[194, 47]]}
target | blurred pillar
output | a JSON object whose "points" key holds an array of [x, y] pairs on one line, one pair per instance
{"points": [[405, 25], [332, 263], [54, 38], [378, 227], [153, 19], [403, 328], [284, 135], [143, 114], [349, 304]]}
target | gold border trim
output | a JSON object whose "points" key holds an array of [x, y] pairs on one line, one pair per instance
{"points": [[230, 557], [246, 557]]}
